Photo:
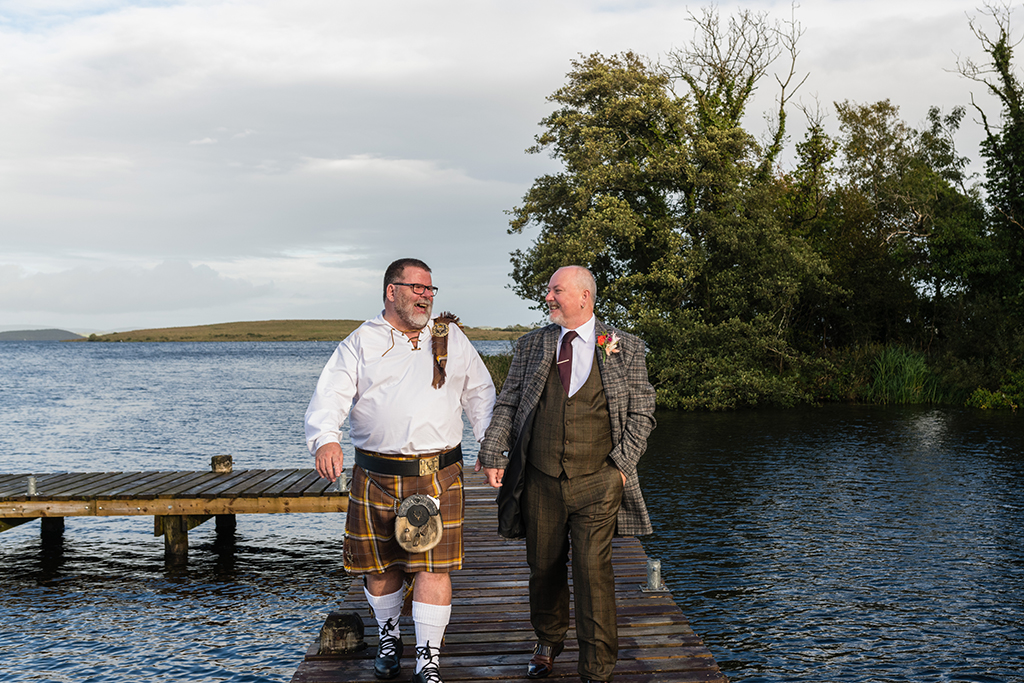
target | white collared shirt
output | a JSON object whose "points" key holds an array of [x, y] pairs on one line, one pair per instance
{"points": [[583, 348], [382, 384]]}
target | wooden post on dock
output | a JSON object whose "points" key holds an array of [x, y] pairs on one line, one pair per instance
{"points": [[225, 523], [51, 527], [175, 537], [175, 528]]}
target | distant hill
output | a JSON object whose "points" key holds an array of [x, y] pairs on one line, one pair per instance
{"points": [[274, 330], [39, 335]]}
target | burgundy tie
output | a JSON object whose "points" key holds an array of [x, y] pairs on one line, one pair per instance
{"points": [[565, 359]]}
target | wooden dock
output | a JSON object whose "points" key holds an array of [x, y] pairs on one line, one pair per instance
{"points": [[490, 638], [178, 501]]}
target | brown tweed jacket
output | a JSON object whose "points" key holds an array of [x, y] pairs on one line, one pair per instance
{"points": [[630, 402]]}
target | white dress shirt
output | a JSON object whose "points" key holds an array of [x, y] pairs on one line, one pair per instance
{"points": [[583, 348], [382, 384]]}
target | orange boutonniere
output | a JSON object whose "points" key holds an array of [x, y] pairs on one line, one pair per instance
{"points": [[609, 343]]}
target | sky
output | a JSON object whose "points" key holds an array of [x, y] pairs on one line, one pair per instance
{"points": [[185, 163]]}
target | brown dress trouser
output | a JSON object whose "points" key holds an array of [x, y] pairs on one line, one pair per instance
{"points": [[584, 510]]}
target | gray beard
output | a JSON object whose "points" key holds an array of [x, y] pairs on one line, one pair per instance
{"points": [[412, 317]]}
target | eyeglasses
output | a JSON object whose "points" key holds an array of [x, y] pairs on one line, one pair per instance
{"points": [[418, 289]]}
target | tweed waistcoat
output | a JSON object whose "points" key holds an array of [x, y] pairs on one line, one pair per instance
{"points": [[571, 434]]}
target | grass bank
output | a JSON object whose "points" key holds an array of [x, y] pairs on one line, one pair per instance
{"points": [[275, 330]]}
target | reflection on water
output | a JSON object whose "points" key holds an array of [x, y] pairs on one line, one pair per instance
{"points": [[100, 604], [840, 544], [846, 543]]}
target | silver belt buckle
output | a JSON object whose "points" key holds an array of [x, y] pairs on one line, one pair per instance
{"points": [[429, 465]]}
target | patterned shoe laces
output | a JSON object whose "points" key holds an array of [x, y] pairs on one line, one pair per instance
{"points": [[430, 672], [388, 643]]}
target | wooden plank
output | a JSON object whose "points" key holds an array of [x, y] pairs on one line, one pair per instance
{"points": [[490, 637], [224, 488], [220, 506], [326, 487], [94, 487], [278, 484], [47, 508], [13, 484], [168, 487], [131, 486], [250, 487], [57, 486], [265, 487], [311, 480], [211, 480]]}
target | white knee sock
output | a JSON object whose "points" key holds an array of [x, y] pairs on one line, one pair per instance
{"points": [[430, 621], [386, 610]]}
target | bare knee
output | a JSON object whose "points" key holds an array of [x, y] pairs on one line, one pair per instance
{"points": [[433, 588], [386, 583]]}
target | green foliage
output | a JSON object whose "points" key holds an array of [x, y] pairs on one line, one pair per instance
{"points": [[902, 377], [1010, 395], [846, 374], [1013, 385], [1001, 283], [498, 366], [834, 281], [991, 400], [724, 366], [664, 202]]}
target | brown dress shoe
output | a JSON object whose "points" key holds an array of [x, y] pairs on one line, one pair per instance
{"points": [[542, 662]]}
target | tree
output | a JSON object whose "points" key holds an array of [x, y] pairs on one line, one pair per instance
{"points": [[998, 290], [624, 143], [665, 198]]}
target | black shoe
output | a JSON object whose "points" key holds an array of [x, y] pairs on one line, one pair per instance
{"points": [[428, 674], [542, 663], [388, 663]]}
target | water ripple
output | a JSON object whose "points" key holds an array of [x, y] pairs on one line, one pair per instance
{"points": [[843, 544]]}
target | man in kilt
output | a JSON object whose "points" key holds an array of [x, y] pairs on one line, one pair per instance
{"points": [[403, 381]]}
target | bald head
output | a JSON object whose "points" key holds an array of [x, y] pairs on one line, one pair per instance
{"points": [[570, 297]]}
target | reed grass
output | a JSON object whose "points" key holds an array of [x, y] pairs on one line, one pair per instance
{"points": [[902, 377]]}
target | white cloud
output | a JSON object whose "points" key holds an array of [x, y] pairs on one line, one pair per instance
{"points": [[167, 286], [237, 136]]}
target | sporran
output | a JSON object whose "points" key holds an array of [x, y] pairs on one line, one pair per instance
{"points": [[418, 526]]}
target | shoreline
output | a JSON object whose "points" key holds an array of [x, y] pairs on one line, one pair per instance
{"points": [[275, 330]]}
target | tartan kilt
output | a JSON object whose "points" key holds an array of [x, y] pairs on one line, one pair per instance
{"points": [[370, 546]]}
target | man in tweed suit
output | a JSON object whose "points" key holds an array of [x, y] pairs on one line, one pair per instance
{"points": [[569, 427]]}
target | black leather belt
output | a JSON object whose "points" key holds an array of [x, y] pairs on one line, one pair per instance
{"points": [[372, 462]]}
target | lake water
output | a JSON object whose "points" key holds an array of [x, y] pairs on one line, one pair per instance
{"points": [[836, 544]]}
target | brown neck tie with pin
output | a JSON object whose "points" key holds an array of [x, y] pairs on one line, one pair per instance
{"points": [[565, 359]]}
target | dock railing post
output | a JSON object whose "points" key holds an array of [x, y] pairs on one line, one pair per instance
{"points": [[654, 582], [225, 523]]}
